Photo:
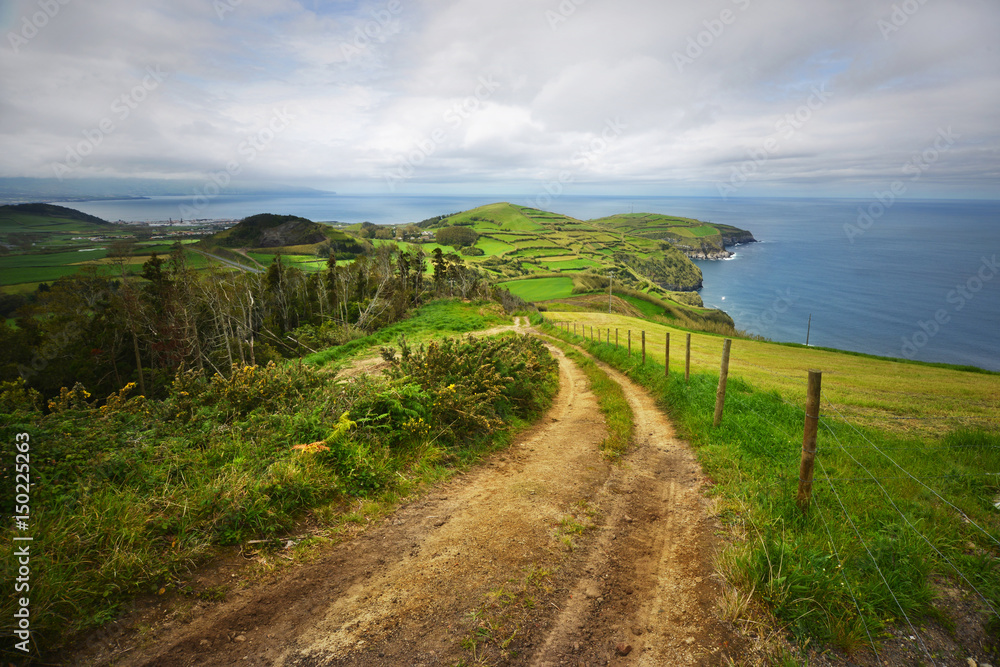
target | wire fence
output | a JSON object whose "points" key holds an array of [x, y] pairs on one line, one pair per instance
{"points": [[870, 481]]}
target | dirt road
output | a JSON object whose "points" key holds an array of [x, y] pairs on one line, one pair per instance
{"points": [[545, 555]]}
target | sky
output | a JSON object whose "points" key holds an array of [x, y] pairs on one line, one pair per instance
{"points": [[852, 98]]}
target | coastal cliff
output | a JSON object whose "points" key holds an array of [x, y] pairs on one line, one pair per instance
{"points": [[694, 238], [716, 246]]}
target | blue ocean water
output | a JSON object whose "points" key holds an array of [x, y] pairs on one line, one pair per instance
{"points": [[916, 279]]}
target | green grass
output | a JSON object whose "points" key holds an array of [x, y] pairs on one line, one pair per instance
{"points": [[545, 252], [564, 244], [438, 318], [52, 259], [493, 247], [540, 289], [570, 265], [872, 391], [506, 217], [35, 274], [645, 307], [303, 262], [27, 271], [692, 232], [809, 570]]}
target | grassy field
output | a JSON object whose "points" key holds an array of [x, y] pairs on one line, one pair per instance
{"points": [[493, 246], [902, 515], [540, 289], [900, 396], [303, 262], [560, 264], [444, 317]]}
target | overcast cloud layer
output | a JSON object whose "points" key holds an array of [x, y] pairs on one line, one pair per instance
{"points": [[724, 97]]}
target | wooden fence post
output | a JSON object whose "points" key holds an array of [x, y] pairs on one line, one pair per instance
{"points": [[809, 441], [616, 336], [643, 348], [687, 360], [630, 342], [666, 357], [720, 394]]}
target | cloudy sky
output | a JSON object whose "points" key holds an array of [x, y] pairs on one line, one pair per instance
{"points": [[731, 97]]}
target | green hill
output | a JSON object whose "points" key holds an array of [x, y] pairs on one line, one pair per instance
{"points": [[272, 231], [29, 216], [284, 234], [521, 242], [701, 240]]}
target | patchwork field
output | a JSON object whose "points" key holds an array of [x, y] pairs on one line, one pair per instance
{"points": [[44, 242], [539, 289]]}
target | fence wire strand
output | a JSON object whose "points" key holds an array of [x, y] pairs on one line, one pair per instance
{"points": [[881, 574], [964, 516], [843, 575]]}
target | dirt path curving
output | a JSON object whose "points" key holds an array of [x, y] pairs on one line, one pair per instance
{"points": [[545, 555]]}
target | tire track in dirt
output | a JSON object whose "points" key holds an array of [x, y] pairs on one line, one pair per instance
{"points": [[649, 595]]}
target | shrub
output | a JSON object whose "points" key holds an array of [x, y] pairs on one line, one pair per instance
{"points": [[477, 384]]}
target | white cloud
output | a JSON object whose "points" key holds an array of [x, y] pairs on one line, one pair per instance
{"points": [[700, 86]]}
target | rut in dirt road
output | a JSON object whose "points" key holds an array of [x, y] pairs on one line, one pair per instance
{"points": [[416, 588], [649, 589]]}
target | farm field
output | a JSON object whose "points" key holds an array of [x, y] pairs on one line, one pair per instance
{"points": [[905, 397], [540, 289], [62, 241], [519, 241]]}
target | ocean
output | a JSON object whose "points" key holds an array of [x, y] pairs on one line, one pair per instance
{"points": [[912, 279]]}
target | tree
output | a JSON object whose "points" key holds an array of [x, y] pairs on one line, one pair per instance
{"points": [[456, 236], [440, 268]]}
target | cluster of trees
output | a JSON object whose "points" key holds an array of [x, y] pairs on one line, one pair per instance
{"points": [[370, 230], [457, 237], [106, 330]]}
